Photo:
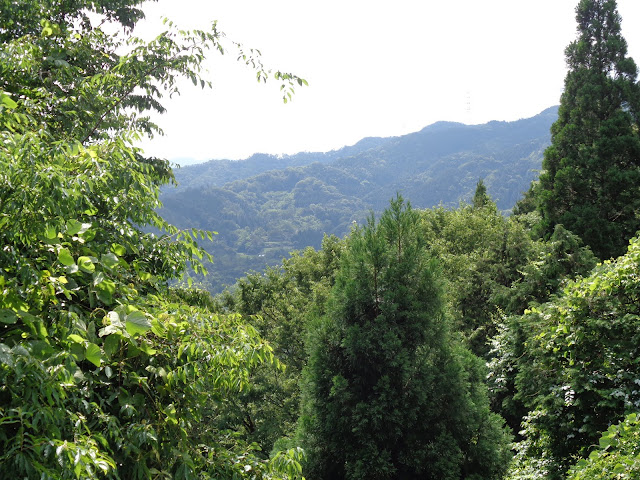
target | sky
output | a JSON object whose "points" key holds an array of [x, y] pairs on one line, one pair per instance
{"points": [[374, 68]]}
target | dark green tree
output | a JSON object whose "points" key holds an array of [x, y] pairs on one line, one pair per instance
{"points": [[481, 197], [390, 392], [591, 172]]}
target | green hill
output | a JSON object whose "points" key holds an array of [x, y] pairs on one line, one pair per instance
{"points": [[265, 206]]}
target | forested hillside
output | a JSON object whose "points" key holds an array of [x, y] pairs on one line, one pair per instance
{"points": [[423, 342], [266, 206]]}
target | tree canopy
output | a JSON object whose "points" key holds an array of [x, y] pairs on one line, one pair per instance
{"points": [[591, 172], [390, 392], [105, 370]]}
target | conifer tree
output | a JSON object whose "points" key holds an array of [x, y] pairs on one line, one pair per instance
{"points": [[481, 197], [591, 172], [389, 393]]}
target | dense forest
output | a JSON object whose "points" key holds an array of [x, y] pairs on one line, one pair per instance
{"points": [[447, 341]]}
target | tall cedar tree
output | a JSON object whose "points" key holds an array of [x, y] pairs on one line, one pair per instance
{"points": [[389, 393], [591, 177]]}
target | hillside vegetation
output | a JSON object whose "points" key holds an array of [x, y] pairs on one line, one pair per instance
{"points": [[443, 340], [266, 206]]}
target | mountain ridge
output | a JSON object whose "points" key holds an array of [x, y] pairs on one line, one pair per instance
{"points": [[265, 206]]}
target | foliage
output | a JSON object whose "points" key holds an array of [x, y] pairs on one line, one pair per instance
{"points": [[591, 177], [389, 392], [578, 369], [480, 197], [617, 457], [483, 253], [281, 302], [265, 206], [106, 372]]}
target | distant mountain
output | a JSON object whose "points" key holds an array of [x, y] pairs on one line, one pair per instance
{"points": [[265, 206], [220, 172]]}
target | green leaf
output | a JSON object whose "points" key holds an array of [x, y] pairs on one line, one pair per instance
{"points": [[7, 101], [76, 338], [50, 232], [72, 269], [75, 227], [118, 249], [98, 278], [8, 316], [6, 355], [137, 323], [111, 344], [147, 349], [93, 354], [65, 257], [109, 260], [86, 264], [605, 441]]}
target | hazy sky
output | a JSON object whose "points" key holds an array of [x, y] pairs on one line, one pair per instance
{"points": [[375, 68]]}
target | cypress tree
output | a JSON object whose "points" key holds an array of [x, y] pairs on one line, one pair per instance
{"points": [[591, 172], [389, 392], [481, 197]]}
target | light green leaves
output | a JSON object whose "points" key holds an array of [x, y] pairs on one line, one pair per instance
{"points": [[86, 264], [74, 227], [6, 101], [91, 352], [137, 323], [65, 257]]}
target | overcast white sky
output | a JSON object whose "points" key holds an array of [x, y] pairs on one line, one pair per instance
{"points": [[375, 68]]}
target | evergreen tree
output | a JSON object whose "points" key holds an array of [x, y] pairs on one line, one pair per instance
{"points": [[591, 177], [481, 197], [389, 393]]}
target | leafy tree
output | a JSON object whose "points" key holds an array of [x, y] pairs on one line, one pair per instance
{"points": [[618, 455], [104, 371], [281, 302], [553, 264], [591, 177], [483, 254], [390, 392], [578, 370]]}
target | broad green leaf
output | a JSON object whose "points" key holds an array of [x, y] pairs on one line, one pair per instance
{"points": [[8, 316], [98, 278], [76, 338], [65, 257], [93, 354], [605, 441], [73, 227], [114, 318], [50, 232], [111, 344], [118, 249], [109, 260], [86, 265], [7, 101], [144, 276], [108, 330], [6, 356], [147, 349], [71, 269], [137, 323]]}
